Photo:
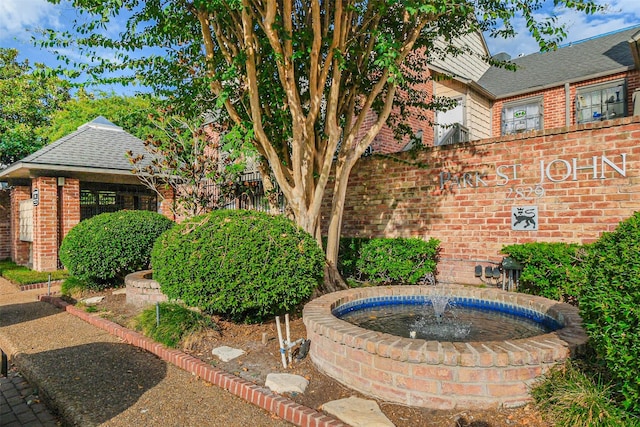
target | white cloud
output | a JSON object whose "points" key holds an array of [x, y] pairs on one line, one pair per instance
{"points": [[620, 14], [17, 16]]}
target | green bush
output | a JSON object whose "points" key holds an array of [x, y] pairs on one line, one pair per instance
{"points": [[400, 260], [610, 306], [109, 246], [551, 270], [572, 398], [176, 323], [245, 265], [348, 254]]}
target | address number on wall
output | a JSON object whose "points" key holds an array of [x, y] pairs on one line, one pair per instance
{"points": [[525, 193]]}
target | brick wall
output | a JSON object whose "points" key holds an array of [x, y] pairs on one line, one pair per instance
{"points": [[463, 195], [69, 205], [5, 224], [45, 225], [554, 101], [166, 203], [385, 141], [20, 251]]}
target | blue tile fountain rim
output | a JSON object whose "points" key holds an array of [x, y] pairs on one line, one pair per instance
{"points": [[466, 302]]}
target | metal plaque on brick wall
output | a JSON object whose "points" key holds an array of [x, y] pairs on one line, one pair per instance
{"points": [[35, 196], [524, 218]]}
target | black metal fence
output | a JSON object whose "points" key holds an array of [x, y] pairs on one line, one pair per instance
{"points": [[100, 198], [244, 194]]}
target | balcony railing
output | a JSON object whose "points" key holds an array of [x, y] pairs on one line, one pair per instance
{"points": [[455, 135]]}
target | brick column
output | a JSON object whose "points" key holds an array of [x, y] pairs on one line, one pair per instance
{"points": [[19, 249], [5, 224], [70, 207], [166, 202], [45, 225]]}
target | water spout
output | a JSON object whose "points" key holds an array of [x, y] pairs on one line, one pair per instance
{"points": [[439, 303]]}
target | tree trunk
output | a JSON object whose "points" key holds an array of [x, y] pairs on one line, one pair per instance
{"points": [[269, 188], [333, 281]]}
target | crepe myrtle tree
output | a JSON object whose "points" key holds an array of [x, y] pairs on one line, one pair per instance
{"points": [[297, 79]]}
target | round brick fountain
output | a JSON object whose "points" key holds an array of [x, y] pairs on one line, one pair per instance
{"points": [[436, 374]]}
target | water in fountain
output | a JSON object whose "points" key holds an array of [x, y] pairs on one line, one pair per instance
{"points": [[442, 324], [439, 303]]}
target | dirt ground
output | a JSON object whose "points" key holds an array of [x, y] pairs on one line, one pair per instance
{"points": [[261, 359]]}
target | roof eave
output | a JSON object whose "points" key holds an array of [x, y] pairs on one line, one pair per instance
{"points": [[635, 49], [473, 84], [24, 170], [562, 83]]}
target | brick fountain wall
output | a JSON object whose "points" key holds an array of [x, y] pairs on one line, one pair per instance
{"points": [[432, 374]]}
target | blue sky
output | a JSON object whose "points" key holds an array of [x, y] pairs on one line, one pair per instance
{"points": [[19, 17]]}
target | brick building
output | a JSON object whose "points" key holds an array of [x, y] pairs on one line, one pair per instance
{"points": [[586, 81], [76, 177]]}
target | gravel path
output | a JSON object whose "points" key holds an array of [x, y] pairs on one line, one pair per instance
{"points": [[91, 378]]}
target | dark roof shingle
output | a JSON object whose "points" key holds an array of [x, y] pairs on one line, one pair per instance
{"points": [[97, 144], [580, 60]]}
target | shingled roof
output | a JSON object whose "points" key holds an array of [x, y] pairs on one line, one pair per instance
{"points": [[591, 58], [98, 146]]}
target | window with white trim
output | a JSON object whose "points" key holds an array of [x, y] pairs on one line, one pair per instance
{"points": [[601, 102], [522, 116]]}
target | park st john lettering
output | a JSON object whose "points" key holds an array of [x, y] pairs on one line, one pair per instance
{"points": [[557, 170]]}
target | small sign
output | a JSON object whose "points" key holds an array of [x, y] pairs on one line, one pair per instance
{"points": [[518, 114], [36, 197], [524, 218]]}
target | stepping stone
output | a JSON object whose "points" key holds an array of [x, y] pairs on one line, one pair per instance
{"points": [[92, 300], [227, 353], [119, 291], [286, 383], [357, 412]]}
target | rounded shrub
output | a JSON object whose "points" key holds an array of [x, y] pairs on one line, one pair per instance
{"points": [[405, 261], [610, 306], [107, 247], [552, 270], [245, 265]]}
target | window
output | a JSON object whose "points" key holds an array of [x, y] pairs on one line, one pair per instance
{"points": [[450, 127], [522, 116], [601, 102]]}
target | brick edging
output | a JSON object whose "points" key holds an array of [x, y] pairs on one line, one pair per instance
{"points": [[262, 397], [40, 285]]}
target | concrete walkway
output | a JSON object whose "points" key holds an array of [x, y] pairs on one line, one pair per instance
{"points": [[91, 374]]}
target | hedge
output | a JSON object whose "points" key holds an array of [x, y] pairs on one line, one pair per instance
{"points": [[245, 265], [103, 249], [610, 306]]}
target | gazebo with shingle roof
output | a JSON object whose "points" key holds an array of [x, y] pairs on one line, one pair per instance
{"points": [[76, 177]]}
